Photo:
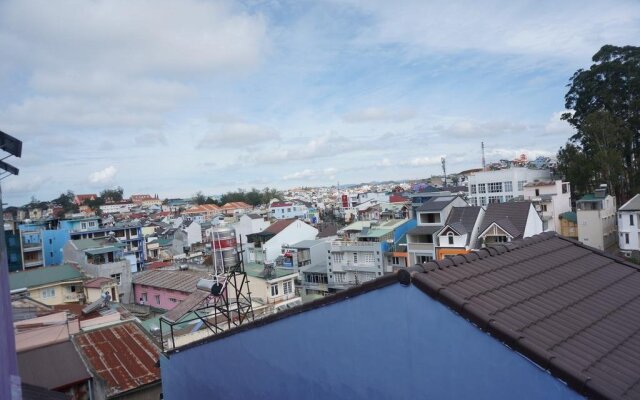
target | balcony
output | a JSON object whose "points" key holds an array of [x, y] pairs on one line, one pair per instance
{"points": [[73, 297], [33, 263], [345, 245], [29, 247]]}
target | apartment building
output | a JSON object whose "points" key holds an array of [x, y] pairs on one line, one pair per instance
{"points": [[501, 185], [286, 210]]}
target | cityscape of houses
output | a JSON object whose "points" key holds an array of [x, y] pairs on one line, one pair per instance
{"points": [[144, 268]]}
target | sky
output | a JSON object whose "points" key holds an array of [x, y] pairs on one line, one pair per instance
{"points": [[174, 97]]}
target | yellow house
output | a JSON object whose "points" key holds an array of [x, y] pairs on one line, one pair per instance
{"points": [[94, 288], [50, 285]]}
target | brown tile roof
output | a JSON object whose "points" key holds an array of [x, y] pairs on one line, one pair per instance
{"points": [[182, 281], [573, 310], [511, 217], [35, 366], [277, 227], [121, 355], [202, 208]]}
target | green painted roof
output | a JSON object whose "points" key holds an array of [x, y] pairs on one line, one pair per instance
{"points": [[43, 276], [570, 216], [102, 250], [255, 270]]}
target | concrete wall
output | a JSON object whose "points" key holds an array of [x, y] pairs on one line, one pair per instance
{"points": [[626, 229], [392, 343], [294, 233], [534, 224], [53, 241]]}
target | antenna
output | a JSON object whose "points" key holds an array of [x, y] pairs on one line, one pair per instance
{"points": [[444, 170], [484, 164]]}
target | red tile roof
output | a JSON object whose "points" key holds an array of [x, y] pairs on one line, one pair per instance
{"points": [[121, 355], [235, 205], [281, 204], [204, 208]]}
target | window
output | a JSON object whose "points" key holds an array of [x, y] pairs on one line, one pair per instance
{"points": [[92, 223], [537, 192], [157, 299], [508, 198], [369, 257], [338, 257], [144, 297], [48, 293], [543, 207], [481, 188], [116, 277], [51, 254], [631, 219], [521, 185], [71, 289], [50, 241], [473, 189], [495, 187], [340, 277], [171, 299], [424, 259], [508, 186], [565, 187], [288, 209], [287, 287], [626, 238], [355, 258], [430, 218], [495, 199], [474, 201], [274, 290], [395, 260], [483, 201], [450, 237]]}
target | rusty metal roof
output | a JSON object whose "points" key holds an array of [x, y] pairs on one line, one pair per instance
{"points": [[121, 355]]}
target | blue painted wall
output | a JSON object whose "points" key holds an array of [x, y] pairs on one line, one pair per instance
{"points": [[392, 343], [53, 241]]}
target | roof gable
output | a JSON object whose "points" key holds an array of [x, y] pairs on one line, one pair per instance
{"points": [[511, 217], [631, 205]]}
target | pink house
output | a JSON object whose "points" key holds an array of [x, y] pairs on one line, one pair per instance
{"points": [[164, 289]]}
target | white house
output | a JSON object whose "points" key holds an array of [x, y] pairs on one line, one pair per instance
{"points": [[193, 231], [629, 233], [460, 232], [249, 224], [115, 208], [285, 210], [501, 185], [268, 243], [596, 215], [505, 222], [550, 199]]}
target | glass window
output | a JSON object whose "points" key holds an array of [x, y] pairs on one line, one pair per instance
{"points": [[116, 277], [287, 287], [495, 187], [495, 199], [355, 258], [450, 237], [473, 189], [157, 299], [274, 290], [521, 185], [48, 293], [483, 201], [171, 299], [482, 188], [508, 186], [631, 219]]}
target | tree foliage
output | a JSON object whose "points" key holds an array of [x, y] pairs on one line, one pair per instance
{"points": [[112, 195], [253, 197], [199, 198], [66, 201], [605, 104]]}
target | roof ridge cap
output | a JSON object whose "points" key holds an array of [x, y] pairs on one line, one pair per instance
{"points": [[601, 253]]}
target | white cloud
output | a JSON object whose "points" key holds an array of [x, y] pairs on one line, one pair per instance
{"points": [[423, 161], [379, 114], [103, 176], [238, 134], [466, 128], [558, 127], [570, 29], [310, 174]]}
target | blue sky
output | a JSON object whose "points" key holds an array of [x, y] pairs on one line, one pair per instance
{"points": [[174, 97]]}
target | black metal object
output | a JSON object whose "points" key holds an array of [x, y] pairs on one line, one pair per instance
{"points": [[216, 313]]}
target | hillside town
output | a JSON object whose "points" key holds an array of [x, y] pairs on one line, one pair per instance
{"points": [[146, 268]]}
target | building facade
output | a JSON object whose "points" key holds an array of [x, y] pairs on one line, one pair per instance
{"points": [[596, 214], [550, 199], [501, 185], [628, 231]]}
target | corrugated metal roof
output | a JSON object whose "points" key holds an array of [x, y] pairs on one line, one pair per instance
{"points": [[121, 355], [43, 276], [36, 366], [182, 281]]}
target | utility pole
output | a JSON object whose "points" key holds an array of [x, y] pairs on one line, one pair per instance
{"points": [[484, 165], [10, 385], [444, 170]]}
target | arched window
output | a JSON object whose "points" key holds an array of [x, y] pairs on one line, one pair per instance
{"points": [[450, 236]]}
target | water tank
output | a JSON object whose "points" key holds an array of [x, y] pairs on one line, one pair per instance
{"points": [[224, 247]]}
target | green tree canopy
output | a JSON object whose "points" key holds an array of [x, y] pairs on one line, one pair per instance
{"points": [[112, 195], [605, 104]]}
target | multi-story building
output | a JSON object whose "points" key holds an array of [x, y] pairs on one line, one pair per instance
{"points": [[628, 221], [286, 210], [596, 214], [201, 213], [501, 185], [361, 257], [249, 224], [40, 244], [430, 217], [550, 199], [165, 289], [115, 208], [268, 243], [460, 232], [102, 257], [128, 234], [506, 222]]}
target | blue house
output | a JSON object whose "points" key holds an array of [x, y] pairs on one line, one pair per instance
{"points": [[539, 318]]}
